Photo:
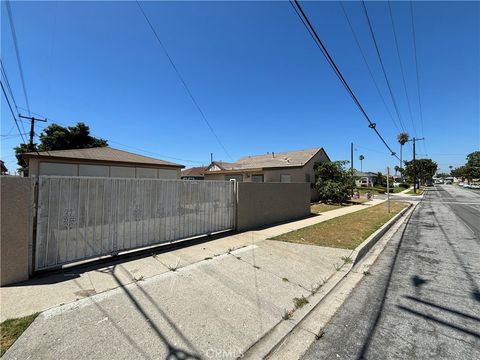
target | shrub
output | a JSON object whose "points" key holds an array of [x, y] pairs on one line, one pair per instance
{"points": [[404, 185]]}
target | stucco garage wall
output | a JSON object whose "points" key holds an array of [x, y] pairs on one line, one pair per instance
{"points": [[59, 168], [262, 204], [16, 198]]}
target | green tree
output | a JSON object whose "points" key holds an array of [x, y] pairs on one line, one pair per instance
{"points": [[333, 182], [56, 137], [471, 169], [425, 169], [402, 138]]}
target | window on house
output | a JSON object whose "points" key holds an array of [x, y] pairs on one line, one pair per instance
{"points": [[307, 177], [257, 178], [285, 178]]}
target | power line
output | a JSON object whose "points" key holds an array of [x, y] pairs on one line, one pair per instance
{"points": [[366, 63], [11, 110], [401, 67], [182, 80], [382, 65], [311, 30], [9, 88], [416, 71], [17, 52], [121, 144]]}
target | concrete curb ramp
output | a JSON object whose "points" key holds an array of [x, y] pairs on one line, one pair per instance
{"points": [[277, 335]]}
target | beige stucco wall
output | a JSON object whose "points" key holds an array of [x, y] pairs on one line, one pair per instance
{"points": [[16, 199], [262, 204], [62, 168]]}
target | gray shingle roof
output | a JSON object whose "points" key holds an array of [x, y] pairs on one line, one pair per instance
{"points": [[101, 154], [273, 160]]}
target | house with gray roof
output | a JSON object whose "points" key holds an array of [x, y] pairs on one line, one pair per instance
{"points": [[100, 162], [289, 166]]}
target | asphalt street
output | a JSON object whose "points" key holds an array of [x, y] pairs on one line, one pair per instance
{"points": [[421, 298]]}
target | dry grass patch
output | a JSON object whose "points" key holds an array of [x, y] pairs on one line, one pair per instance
{"points": [[10, 331], [347, 231]]}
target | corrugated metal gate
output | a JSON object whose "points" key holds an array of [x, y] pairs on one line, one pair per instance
{"points": [[81, 218]]}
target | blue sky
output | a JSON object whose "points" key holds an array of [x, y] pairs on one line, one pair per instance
{"points": [[255, 72]]}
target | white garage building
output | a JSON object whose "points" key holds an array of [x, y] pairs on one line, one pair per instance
{"points": [[100, 162]]}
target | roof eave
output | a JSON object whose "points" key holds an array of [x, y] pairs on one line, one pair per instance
{"points": [[65, 159]]}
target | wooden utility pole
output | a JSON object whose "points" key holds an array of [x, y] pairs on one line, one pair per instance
{"points": [[351, 163], [388, 188], [32, 127], [415, 165]]}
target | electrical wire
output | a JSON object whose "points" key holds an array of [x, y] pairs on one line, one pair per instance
{"points": [[382, 65], [311, 30], [182, 80], [401, 66], [366, 63], [11, 110], [118, 143], [417, 73], [17, 52]]}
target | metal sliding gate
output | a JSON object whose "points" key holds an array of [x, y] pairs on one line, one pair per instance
{"points": [[81, 218]]}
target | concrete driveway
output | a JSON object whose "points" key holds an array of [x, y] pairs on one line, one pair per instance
{"points": [[210, 300], [215, 308]]}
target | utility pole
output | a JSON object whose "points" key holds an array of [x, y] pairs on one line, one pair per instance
{"points": [[388, 188], [211, 158], [32, 127], [351, 157], [351, 162], [415, 165]]}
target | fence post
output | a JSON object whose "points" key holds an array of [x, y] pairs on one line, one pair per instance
{"points": [[32, 243], [235, 203]]}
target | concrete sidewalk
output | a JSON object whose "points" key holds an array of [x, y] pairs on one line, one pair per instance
{"points": [[211, 300], [45, 292]]}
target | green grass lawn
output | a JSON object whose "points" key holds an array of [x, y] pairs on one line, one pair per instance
{"points": [[347, 231], [10, 331], [411, 192], [379, 190], [323, 207]]}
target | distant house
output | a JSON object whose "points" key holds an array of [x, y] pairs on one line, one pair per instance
{"points": [[291, 166], [4, 170], [194, 173], [365, 179], [100, 162]]}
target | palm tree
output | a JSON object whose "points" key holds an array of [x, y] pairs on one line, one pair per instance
{"points": [[397, 169], [361, 158], [402, 138]]}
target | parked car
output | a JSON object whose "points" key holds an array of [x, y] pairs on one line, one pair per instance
{"points": [[448, 182]]}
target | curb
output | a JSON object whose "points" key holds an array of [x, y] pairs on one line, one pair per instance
{"points": [[266, 345]]}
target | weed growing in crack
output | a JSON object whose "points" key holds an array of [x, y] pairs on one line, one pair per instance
{"points": [[140, 278], [238, 257], [208, 258], [366, 272], [173, 267], [256, 267], [338, 266], [287, 315], [300, 302], [319, 335], [285, 279], [315, 287], [347, 259]]}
